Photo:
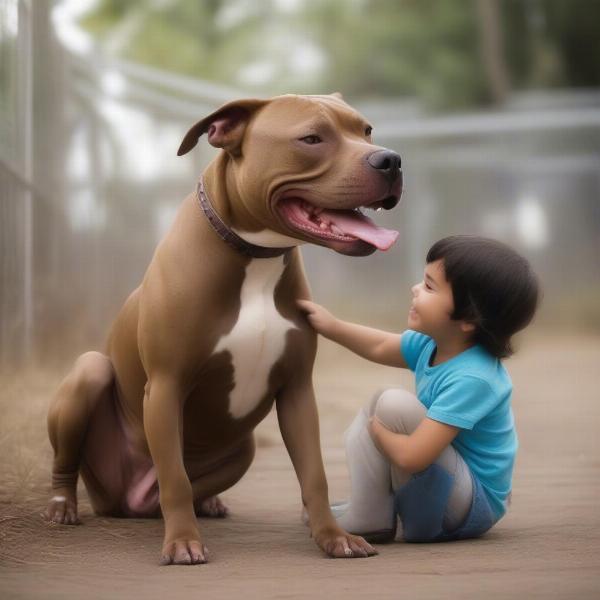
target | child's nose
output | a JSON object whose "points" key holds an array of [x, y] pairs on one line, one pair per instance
{"points": [[414, 289]]}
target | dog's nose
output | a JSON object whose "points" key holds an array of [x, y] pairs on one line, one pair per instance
{"points": [[390, 202], [387, 162]]}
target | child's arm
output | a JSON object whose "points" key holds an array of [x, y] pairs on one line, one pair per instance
{"points": [[373, 344], [416, 451]]}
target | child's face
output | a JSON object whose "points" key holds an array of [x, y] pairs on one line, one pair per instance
{"points": [[432, 303]]}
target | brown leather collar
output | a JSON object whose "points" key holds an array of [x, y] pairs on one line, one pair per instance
{"points": [[229, 236]]}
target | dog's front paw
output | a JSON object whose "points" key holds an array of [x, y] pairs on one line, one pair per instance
{"points": [[335, 542], [184, 552]]}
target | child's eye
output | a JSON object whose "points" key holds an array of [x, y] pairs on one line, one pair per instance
{"points": [[427, 286]]}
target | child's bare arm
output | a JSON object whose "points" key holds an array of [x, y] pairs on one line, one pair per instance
{"points": [[373, 344], [416, 451]]}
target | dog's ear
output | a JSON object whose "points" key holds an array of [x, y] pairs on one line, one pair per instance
{"points": [[225, 126]]}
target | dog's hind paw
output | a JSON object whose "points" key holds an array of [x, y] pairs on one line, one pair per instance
{"points": [[212, 507], [62, 510]]}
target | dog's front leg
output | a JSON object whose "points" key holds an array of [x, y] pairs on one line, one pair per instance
{"points": [[299, 424], [163, 411]]}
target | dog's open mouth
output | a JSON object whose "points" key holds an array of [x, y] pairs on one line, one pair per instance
{"points": [[338, 225]]}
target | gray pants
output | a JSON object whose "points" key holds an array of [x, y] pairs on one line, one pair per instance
{"points": [[374, 480]]}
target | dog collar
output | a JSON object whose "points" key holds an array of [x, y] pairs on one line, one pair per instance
{"points": [[230, 237]]}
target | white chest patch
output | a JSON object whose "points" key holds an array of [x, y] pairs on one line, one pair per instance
{"points": [[257, 340]]}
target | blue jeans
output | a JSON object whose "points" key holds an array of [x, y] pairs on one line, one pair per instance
{"points": [[421, 505]]}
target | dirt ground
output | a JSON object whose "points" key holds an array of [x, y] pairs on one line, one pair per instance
{"points": [[548, 546]]}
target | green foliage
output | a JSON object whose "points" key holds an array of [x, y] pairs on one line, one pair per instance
{"points": [[574, 28], [429, 49], [109, 12], [553, 43]]}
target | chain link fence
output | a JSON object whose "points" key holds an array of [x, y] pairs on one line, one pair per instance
{"points": [[89, 182]]}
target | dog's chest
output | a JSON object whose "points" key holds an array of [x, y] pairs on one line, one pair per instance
{"points": [[257, 340]]}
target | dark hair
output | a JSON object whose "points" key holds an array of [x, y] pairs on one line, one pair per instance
{"points": [[493, 287]]}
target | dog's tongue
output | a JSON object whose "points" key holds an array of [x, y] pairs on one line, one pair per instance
{"points": [[358, 225]]}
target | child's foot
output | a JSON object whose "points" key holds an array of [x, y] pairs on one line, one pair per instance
{"points": [[375, 531], [375, 528], [337, 510]]}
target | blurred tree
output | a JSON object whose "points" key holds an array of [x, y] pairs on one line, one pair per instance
{"points": [[552, 43], [574, 28], [447, 53], [427, 48], [492, 50]]}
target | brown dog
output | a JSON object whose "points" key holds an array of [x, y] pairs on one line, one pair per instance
{"points": [[213, 336]]}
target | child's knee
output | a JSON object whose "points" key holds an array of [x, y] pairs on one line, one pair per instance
{"points": [[399, 410]]}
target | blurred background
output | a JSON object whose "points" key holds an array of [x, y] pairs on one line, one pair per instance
{"points": [[494, 106]]}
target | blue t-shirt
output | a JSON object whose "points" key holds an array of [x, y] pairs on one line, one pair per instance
{"points": [[472, 391]]}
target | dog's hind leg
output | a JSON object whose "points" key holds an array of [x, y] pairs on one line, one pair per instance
{"points": [[220, 478], [90, 380]]}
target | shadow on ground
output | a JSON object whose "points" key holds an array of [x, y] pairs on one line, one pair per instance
{"points": [[548, 546]]}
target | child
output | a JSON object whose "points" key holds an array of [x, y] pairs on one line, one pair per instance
{"points": [[442, 462]]}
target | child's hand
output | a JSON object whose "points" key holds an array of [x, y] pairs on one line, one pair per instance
{"points": [[320, 318], [380, 434]]}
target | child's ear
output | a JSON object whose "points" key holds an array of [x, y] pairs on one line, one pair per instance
{"points": [[467, 327]]}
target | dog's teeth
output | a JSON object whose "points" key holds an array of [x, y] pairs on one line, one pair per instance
{"points": [[378, 209], [323, 225]]}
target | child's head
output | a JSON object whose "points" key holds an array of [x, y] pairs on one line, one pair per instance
{"points": [[493, 288]]}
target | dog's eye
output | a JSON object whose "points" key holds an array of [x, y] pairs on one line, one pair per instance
{"points": [[368, 130], [311, 139]]}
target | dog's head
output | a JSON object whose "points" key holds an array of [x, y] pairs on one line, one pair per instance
{"points": [[305, 167]]}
